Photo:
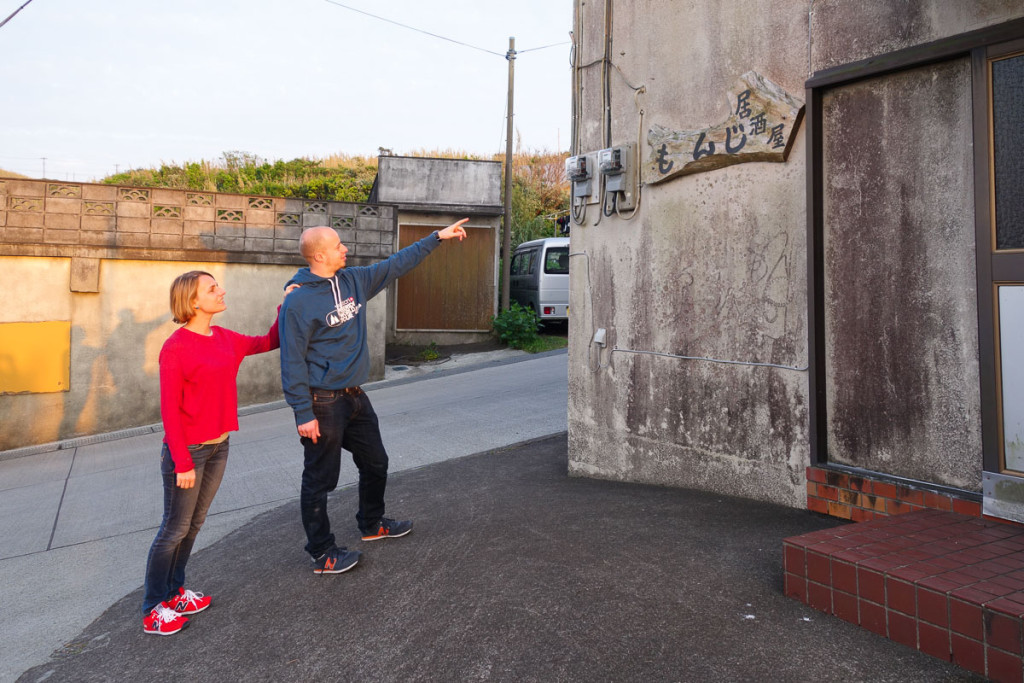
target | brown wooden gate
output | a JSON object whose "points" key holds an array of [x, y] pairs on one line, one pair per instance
{"points": [[453, 289]]}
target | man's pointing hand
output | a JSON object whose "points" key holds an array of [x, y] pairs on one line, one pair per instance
{"points": [[454, 230]]}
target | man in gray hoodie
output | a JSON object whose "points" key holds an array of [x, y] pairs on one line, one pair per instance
{"points": [[324, 359]]}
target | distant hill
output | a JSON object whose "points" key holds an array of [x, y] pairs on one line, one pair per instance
{"points": [[10, 174]]}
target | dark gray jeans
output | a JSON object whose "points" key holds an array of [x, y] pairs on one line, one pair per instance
{"points": [[184, 514]]}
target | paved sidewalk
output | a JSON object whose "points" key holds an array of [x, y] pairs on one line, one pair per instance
{"points": [[514, 572], [76, 523]]}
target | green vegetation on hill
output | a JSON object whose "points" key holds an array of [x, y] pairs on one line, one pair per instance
{"points": [[341, 178], [539, 190]]}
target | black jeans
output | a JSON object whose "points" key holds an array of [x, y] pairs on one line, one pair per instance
{"points": [[346, 421]]}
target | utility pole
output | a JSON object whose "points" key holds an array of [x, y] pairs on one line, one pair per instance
{"points": [[506, 242]]}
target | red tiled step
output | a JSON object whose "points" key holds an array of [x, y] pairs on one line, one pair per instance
{"points": [[947, 584]]}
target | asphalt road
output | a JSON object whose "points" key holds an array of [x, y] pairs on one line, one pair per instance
{"points": [[76, 523], [513, 572]]}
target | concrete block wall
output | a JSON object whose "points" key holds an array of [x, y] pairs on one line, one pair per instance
{"points": [[41, 217]]}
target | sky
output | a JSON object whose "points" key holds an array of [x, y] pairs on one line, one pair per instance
{"points": [[92, 87]]}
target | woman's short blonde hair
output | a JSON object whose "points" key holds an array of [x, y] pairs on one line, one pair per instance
{"points": [[183, 295]]}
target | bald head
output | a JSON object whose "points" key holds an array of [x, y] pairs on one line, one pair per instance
{"points": [[323, 250], [313, 241]]}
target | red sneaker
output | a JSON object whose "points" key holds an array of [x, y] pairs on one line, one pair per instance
{"points": [[188, 602], [163, 621]]}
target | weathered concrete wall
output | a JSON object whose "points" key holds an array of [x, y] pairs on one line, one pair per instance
{"points": [[116, 335], [901, 303], [103, 258], [432, 182], [843, 31], [711, 266]]}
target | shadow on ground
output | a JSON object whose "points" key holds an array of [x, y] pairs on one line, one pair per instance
{"points": [[514, 572]]}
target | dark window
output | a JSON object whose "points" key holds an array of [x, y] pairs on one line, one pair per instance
{"points": [[1008, 150], [520, 262]]}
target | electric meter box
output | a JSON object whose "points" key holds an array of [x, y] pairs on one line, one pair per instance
{"points": [[619, 170], [581, 171]]}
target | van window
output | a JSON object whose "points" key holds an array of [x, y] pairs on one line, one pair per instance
{"points": [[519, 262], [556, 261], [522, 263]]}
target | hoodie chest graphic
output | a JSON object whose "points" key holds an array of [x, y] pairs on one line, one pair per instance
{"points": [[343, 312]]}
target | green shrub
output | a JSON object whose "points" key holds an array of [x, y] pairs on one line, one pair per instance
{"points": [[430, 352], [516, 326]]}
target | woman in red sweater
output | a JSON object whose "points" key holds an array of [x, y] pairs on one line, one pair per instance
{"points": [[199, 407]]}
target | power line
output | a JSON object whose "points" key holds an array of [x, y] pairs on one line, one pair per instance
{"points": [[543, 47], [434, 35], [11, 15], [413, 28]]}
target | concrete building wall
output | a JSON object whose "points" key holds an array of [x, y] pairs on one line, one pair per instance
{"points": [[426, 181], [844, 32], [713, 265]]}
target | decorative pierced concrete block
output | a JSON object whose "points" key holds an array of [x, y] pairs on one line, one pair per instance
{"points": [[24, 204], [229, 216], [98, 208], [132, 194], [59, 190], [166, 211]]}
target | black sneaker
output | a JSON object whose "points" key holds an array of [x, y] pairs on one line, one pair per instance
{"points": [[335, 561], [387, 528]]}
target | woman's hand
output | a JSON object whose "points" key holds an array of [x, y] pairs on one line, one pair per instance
{"points": [[288, 290], [187, 480]]}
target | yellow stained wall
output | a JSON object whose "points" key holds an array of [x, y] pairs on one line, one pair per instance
{"points": [[35, 357]]}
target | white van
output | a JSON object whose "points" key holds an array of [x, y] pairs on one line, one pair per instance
{"points": [[540, 277]]}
